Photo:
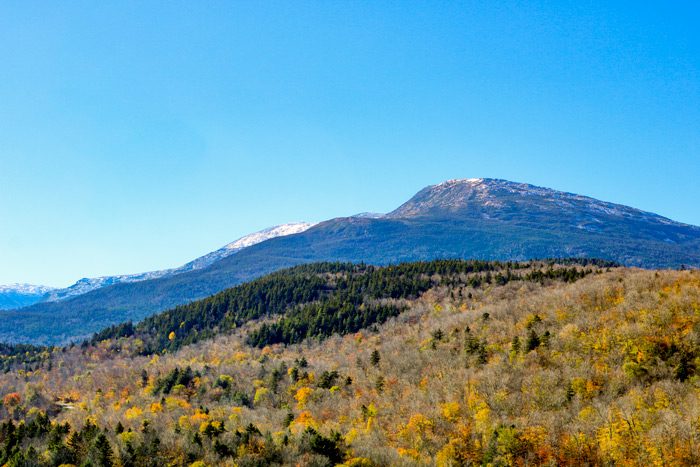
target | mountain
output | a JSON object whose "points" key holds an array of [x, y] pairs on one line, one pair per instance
{"points": [[470, 218], [86, 285], [528, 204], [20, 295]]}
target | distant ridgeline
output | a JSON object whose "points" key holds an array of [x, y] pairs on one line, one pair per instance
{"points": [[321, 299]]}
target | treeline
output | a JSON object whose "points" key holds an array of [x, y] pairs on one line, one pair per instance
{"points": [[320, 299], [38, 441], [600, 263], [42, 442], [29, 357]]}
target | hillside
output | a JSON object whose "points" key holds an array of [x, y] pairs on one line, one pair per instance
{"points": [[473, 218], [322, 299], [585, 366]]}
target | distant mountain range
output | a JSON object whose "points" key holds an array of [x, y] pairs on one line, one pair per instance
{"points": [[22, 295], [468, 218]]}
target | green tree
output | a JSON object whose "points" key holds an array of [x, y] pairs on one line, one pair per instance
{"points": [[533, 341], [103, 456], [375, 358]]}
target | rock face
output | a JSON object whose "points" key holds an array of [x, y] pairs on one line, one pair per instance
{"points": [[469, 218]]}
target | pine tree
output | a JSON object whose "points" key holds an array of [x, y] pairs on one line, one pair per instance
{"points": [[515, 344], [438, 335], [379, 384], [483, 354], [105, 455], [75, 444], [375, 358], [533, 341]]}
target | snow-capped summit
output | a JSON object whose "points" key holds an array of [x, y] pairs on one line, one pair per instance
{"points": [[86, 285]]}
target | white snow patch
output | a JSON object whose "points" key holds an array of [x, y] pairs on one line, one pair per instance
{"points": [[27, 289], [266, 234]]}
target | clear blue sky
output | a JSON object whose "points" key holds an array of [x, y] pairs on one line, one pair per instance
{"points": [[139, 135]]}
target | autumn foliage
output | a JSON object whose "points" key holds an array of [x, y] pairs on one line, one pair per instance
{"points": [[603, 370]]}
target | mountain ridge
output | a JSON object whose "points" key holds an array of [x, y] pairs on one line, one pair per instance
{"points": [[86, 285], [507, 221], [17, 296]]}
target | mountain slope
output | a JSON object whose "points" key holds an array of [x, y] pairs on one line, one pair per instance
{"points": [[473, 218], [86, 285]]}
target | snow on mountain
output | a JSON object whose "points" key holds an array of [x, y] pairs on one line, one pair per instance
{"points": [[245, 242], [27, 289], [468, 218], [368, 215], [86, 285], [19, 295], [266, 234]]}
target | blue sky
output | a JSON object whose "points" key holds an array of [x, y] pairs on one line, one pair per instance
{"points": [[139, 135]]}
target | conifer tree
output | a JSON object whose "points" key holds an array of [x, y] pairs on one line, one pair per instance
{"points": [[375, 358], [104, 454]]}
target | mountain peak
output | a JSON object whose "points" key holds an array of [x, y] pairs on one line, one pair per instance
{"points": [[461, 181], [497, 199], [465, 194]]}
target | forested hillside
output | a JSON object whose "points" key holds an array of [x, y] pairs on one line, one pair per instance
{"points": [[469, 363], [321, 299]]}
